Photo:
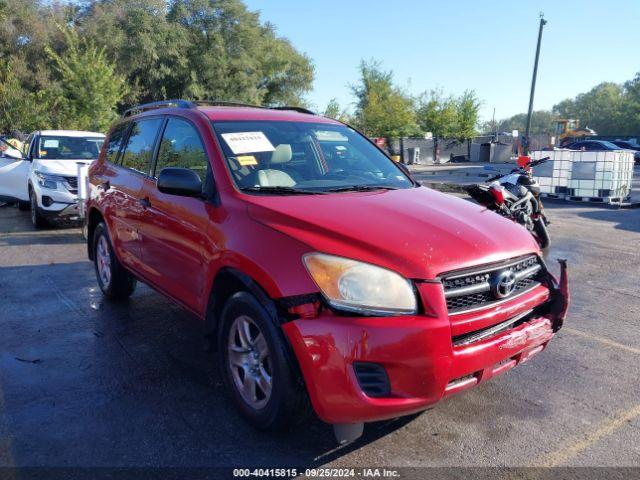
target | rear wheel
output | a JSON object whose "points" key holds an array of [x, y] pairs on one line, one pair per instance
{"points": [[255, 366], [37, 219], [114, 280]]}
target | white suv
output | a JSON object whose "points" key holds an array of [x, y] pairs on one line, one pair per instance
{"points": [[46, 178]]}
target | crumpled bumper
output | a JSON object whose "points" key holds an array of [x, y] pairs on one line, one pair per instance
{"points": [[417, 352]]}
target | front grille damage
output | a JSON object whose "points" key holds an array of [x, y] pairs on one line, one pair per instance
{"points": [[479, 288], [485, 333]]}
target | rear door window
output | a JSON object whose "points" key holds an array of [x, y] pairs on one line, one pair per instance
{"points": [[137, 154]]}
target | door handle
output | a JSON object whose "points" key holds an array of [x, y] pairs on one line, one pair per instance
{"points": [[144, 202]]}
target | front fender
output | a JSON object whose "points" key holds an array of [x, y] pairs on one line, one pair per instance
{"points": [[560, 296]]}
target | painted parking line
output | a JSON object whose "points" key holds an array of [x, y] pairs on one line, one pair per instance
{"points": [[579, 444], [602, 340]]}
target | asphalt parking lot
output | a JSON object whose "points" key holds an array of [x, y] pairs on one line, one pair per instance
{"points": [[86, 383]]}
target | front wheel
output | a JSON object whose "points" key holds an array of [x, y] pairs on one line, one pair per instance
{"points": [[37, 219], [255, 366], [114, 280], [540, 232]]}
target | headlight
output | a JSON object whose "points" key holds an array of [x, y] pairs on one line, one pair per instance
{"points": [[361, 287], [48, 181]]}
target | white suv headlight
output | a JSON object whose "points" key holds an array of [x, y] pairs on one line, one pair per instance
{"points": [[361, 287], [48, 181]]}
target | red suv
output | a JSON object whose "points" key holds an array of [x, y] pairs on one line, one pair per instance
{"points": [[321, 271]]}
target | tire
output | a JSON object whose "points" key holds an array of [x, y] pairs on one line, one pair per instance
{"points": [[113, 279], [24, 206], [541, 232], [37, 219], [286, 403]]}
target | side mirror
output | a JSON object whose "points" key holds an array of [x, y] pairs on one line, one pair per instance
{"points": [[12, 153], [9, 151], [179, 181]]}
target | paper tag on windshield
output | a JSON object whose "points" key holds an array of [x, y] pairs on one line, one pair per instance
{"points": [[248, 142], [245, 160]]}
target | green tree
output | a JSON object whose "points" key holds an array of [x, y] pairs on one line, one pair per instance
{"points": [[448, 116], [437, 114], [26, 28], [334, 111], [601, 108], [89, 88], [286, 75], [467, 106], [232, 56], [630, 116], [382, 109], [197, 49], [19, 108]]}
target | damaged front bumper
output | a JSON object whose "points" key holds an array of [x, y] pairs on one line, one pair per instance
{"points": [[417, 354]]}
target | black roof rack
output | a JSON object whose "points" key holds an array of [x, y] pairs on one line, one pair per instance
{"points": [[296, 109], [214, 103], [202, 103], [161, 104], [219, 103]]}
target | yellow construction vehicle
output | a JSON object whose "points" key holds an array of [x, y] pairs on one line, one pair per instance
{"points": [[568, 130]]}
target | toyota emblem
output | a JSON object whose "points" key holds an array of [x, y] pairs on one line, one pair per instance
{"points": [[503, 283]]}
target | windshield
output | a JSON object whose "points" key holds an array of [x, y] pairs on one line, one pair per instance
{"points": [[297, 157], [68, 148]]}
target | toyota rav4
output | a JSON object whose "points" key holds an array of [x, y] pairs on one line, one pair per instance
{"points": [[321, 271]]}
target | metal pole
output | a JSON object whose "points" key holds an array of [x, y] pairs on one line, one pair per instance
{"points": [[525, 149]]}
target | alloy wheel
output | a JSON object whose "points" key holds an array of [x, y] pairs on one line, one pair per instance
{"points": [[250, 362], [103, 261]]}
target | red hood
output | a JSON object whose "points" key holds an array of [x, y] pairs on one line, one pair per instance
{"points": [[417, 232]]}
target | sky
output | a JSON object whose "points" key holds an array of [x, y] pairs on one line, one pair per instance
{"points": [[487, 46]]}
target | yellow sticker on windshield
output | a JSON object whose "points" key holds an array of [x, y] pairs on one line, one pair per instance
{"points": [[245, 160]]}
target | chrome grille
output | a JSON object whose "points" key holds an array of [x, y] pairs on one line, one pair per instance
{"points": [[471, 290]]}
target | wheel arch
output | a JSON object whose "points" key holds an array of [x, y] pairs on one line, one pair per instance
{"points": [[228, 281]]}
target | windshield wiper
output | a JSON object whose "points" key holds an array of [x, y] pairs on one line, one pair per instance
{"points": [[282, 190], [361, 188]]}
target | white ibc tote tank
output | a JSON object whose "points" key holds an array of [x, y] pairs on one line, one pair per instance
{"points": [[585, 176]]}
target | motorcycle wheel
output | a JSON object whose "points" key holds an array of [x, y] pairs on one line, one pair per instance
{"points": [[540, 232]]}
